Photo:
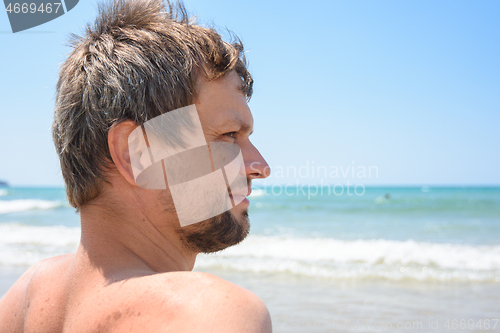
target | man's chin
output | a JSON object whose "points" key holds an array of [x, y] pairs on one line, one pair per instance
{"points": [[217, 233]]}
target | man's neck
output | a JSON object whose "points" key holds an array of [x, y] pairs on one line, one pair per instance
{"points": [[122, 241]]}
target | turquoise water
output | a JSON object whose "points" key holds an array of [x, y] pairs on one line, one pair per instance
{"points": [[440, 215], [463, 215], [391, 233]]}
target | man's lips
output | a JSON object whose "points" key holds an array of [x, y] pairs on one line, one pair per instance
{"points": [[239, 195], [245, 191]]}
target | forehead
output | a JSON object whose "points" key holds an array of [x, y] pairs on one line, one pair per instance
{"points": [[221, 103]]}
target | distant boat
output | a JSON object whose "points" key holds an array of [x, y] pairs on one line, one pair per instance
{"points": [[3, 184]]}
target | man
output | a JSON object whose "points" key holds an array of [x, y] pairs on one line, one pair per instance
{"points": [[132, 269]]}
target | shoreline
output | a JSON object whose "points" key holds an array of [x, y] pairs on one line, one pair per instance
{"points": [[8, 276], [301, 304]]}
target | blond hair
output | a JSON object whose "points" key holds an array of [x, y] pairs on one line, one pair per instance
{"points": [[141, 58]]}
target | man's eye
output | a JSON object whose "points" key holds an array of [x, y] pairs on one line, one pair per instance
{"points": [[230, 134]]}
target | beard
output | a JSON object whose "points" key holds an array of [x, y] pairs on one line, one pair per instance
{"points": [[216, 233]]}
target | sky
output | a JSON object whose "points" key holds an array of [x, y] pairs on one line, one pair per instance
{"points": [[409, 90]]}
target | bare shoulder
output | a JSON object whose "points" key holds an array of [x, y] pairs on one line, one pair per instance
{"points": [[13, 302], [227, 306], [195, 302]]}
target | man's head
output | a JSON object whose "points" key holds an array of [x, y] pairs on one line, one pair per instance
{"points": [[138, 61]]}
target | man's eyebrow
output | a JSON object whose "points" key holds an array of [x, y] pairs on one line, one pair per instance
{"points": [[244, 126]]}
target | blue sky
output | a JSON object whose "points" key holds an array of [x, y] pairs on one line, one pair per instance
{"points": [[410, 87]]}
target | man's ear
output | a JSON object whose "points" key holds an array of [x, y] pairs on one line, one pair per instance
{"points": [[118, 147]]}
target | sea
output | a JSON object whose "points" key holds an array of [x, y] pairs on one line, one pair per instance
{"points": [[385, 259]]}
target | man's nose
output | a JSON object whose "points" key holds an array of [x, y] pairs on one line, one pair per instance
{"points": [[255, 165]]}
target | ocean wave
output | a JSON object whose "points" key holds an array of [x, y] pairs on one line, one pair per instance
{"points": [[3, 192], [347, 272], [22, 205], [22, 245], [387, 259]]}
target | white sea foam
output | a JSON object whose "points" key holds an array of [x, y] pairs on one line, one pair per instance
{"points": [[3, 192], [257, 192], [22, 245], [12, 206], [371, 252], [331, 258]]}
